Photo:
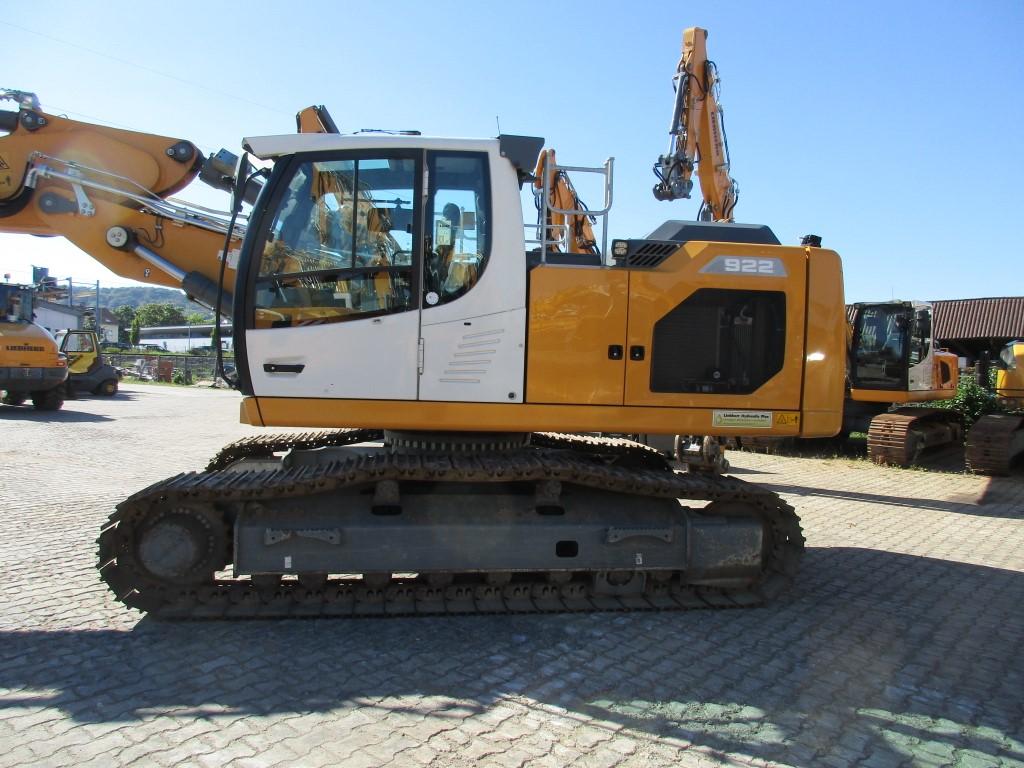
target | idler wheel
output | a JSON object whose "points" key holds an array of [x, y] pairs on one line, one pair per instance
{"points": [[182, 545]]}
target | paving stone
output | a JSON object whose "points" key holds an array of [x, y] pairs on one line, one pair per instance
{"points": [[901, 643]]}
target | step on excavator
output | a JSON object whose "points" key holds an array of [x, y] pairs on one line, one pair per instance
{"points": [[447, 358], [996, 440]]}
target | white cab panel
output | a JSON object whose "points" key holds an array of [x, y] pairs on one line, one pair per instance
{"points": [[478, 360], [373, 359]]}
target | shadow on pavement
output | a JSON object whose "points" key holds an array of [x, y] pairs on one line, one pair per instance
{"points": [[748, 471], [22, 413], [997, 491], [872, 654], [120, 395]]}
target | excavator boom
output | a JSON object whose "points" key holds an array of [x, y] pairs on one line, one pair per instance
{"points": [[106, 190]]}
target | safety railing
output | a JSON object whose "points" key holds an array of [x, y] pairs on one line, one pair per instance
{"points": [[548, 171]]}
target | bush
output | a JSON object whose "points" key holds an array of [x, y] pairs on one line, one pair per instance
{"points": [[971, 401]]}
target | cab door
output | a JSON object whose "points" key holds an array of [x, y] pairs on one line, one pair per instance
{"points": [[335, 290], [80, 348], [473, 321]]}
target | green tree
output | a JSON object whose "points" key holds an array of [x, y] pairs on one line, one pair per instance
{"points": [[133, 335], [125, 315], [197, 318], [150, 315]]}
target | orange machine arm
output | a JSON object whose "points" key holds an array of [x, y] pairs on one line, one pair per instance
{"points": [[315, 119], [698, 135], [106, 191], [561, 194]]}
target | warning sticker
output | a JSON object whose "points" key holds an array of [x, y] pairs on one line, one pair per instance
{"points": [[790, 419], [742, 419], [4, 165]]}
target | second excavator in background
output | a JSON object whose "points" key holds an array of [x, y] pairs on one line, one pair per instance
{"points": [[997, 439], [894, 361]]}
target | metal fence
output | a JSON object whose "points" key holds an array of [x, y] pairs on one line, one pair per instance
{"points": [[182, 369]]}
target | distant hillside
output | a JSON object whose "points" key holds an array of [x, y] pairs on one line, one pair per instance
{"points": [[111, 298]]}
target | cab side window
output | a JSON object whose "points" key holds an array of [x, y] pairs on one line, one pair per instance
{"points": [[340, 243], [458, 235], [79, 342], [920, 339]]}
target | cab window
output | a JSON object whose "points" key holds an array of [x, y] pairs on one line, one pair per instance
{"points": [[339, 245], [458, 234], [920, 338], [78, 342]]}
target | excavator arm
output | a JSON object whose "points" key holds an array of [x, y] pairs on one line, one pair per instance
{"points": [[577, 225], [107, 191], [698, 136]]}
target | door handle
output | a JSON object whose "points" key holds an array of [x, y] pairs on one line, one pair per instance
{"points": [[283, 367]]}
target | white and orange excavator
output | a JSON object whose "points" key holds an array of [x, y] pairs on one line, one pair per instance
{"points": [[383, 290]]}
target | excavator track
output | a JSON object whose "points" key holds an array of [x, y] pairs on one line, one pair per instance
{"points": [[265, 446], [993, 442], [200, 507], [897, 438]]}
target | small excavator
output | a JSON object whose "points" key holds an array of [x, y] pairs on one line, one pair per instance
{"points": [[383, 291]]}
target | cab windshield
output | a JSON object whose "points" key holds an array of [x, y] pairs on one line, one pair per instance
{"points": [[879, 347]]}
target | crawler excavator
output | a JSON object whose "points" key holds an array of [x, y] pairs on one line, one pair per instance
{"points": [[996, 440], [894, 366], [383, 293]]}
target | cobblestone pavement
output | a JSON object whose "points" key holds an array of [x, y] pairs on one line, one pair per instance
{"points": [[901, 644]]}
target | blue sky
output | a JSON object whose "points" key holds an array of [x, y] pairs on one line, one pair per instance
{"points": [[893, 130]]}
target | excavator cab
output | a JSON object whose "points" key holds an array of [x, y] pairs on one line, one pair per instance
{"points": [[16, 303], [893, 354]]}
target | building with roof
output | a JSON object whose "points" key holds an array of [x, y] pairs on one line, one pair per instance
{"points": [[970, 327], [57, 317]]}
